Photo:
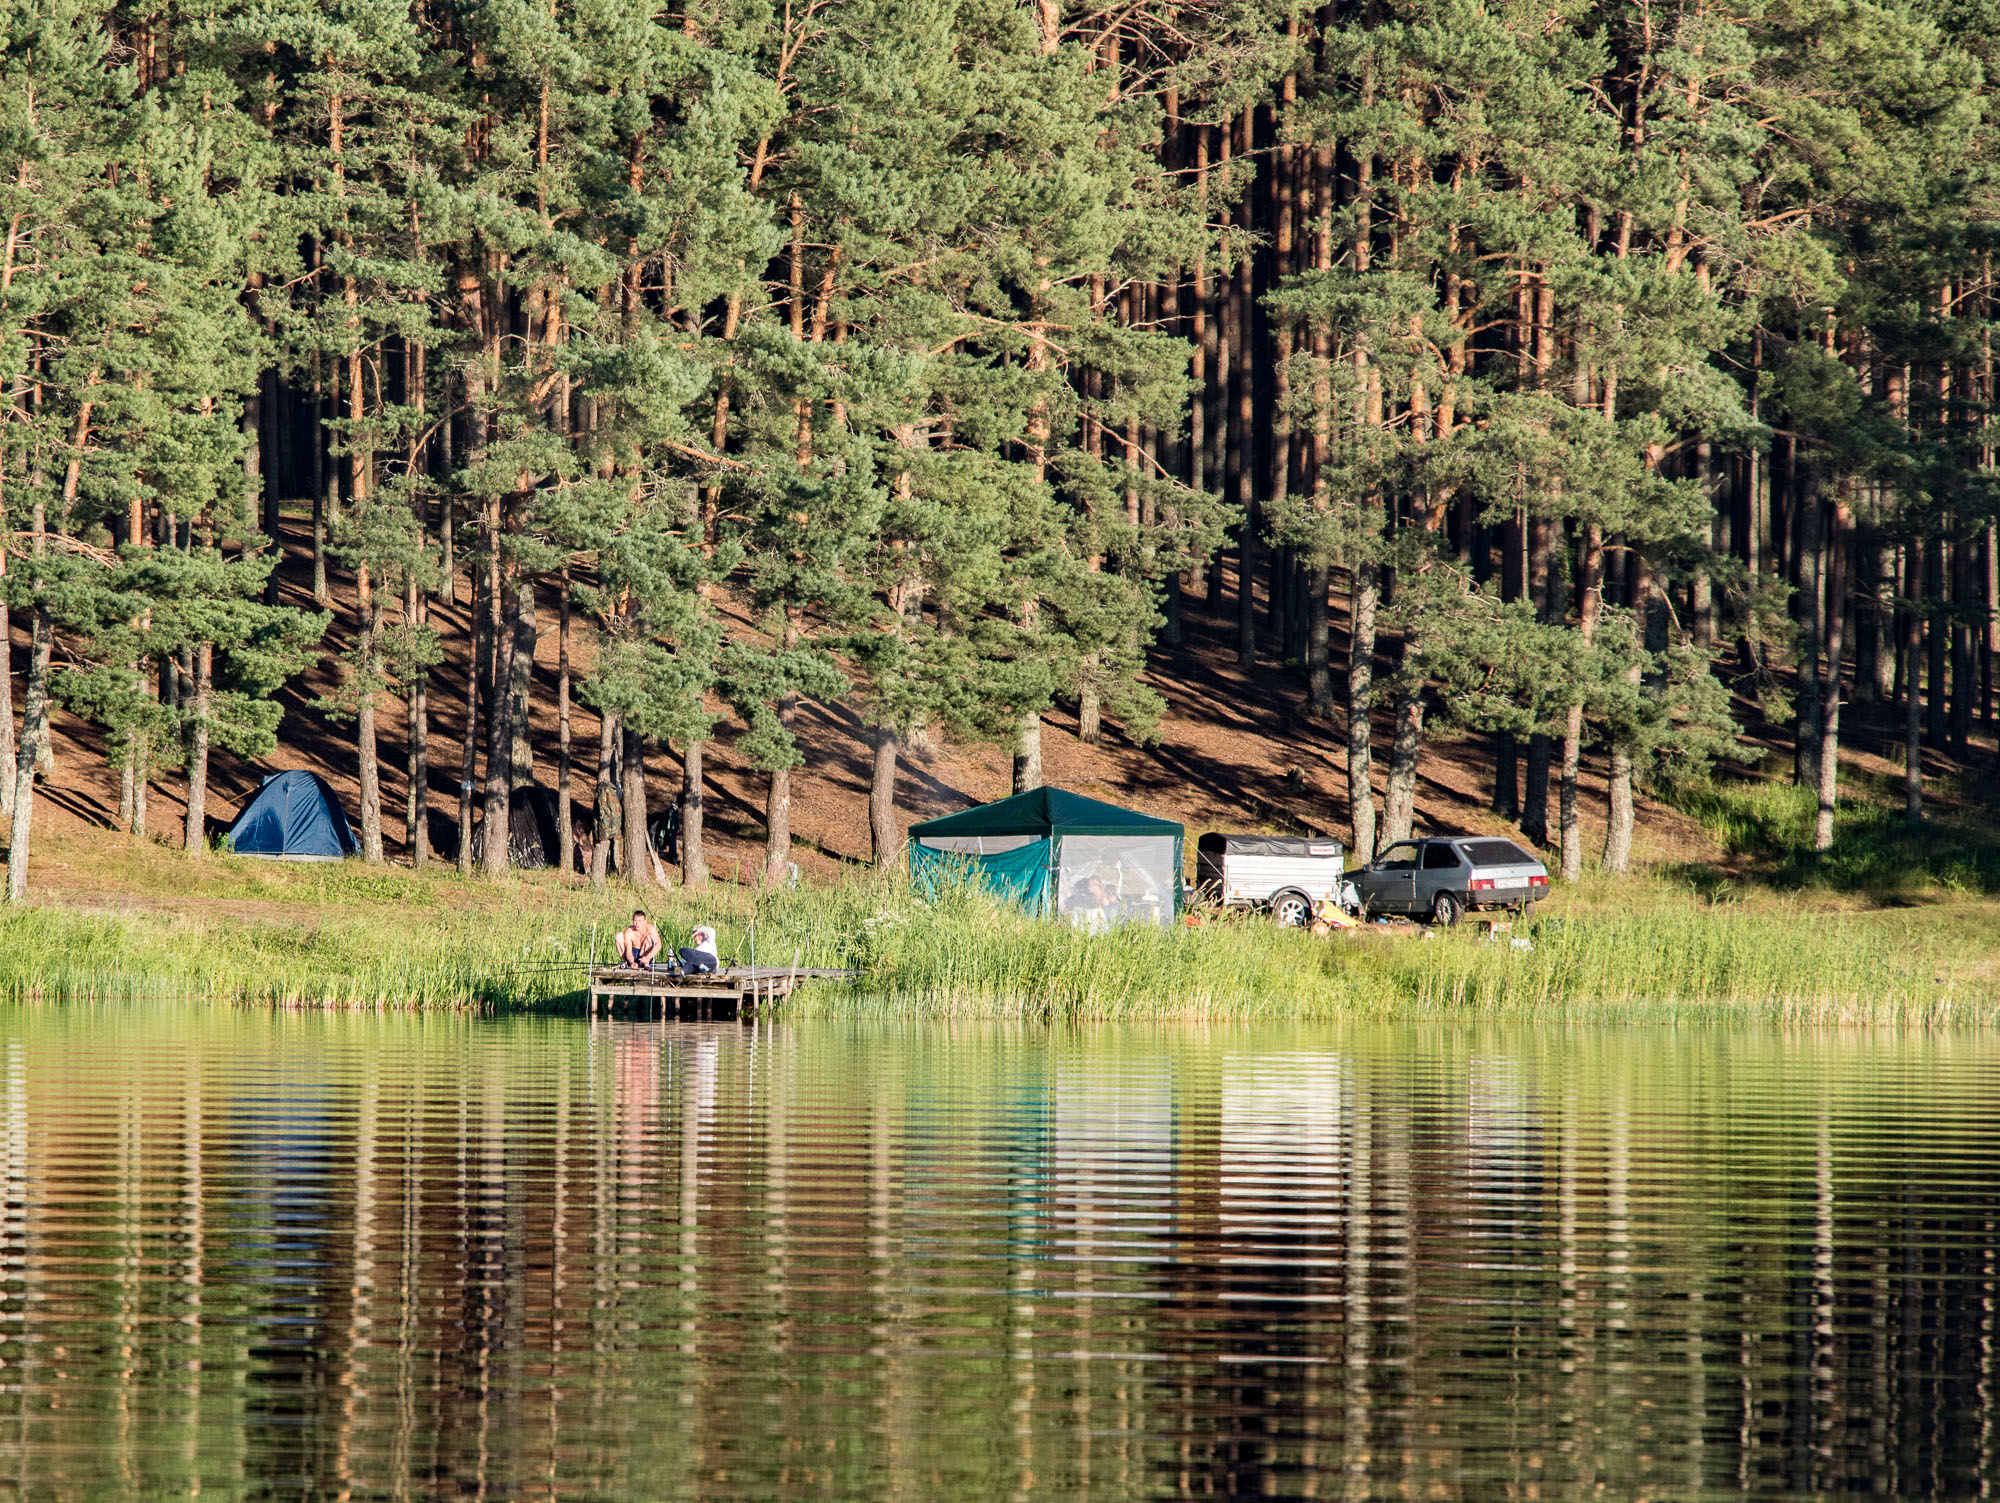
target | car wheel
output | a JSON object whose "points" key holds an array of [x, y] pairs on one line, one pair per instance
{"points": [[1291, 910], [1446, 910]]}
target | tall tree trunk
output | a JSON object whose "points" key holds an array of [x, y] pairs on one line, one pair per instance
{"points": [[1913, 713], [267, 430], [1589, 600], [141, 756], [884, 840], [1399, 814], [527, 633], [7, 749], [196, 834], [34, 729], [417, 796], [1807, 507], [1028, 753], [469, 751], [1619, 816], [416, 806], [1989, 615], [1535, 807], [1936, 719], [1319, 642], [125, 783], [1539, 580], [1224, 455], [1889, 656], [1706, 618], [1836, 641], [777, 826], [364, 723], [604, 804], [1964, 685], [1506, 775], [1618, 819], [1243, 442], [322, 477], [565, 762], [638, 846], [500, 725], [1360, 707], [1867, 622], [694, 860]]}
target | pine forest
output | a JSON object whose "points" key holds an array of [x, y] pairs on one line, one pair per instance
{"points": [[1566, 376]]}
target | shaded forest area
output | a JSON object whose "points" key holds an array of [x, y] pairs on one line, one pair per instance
{"points": [[1589, 378]]}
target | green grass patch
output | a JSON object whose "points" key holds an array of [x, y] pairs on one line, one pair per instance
{"points": [[348, 936], [1767, 830]]}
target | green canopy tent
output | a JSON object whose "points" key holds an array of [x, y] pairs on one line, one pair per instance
{"points": [[1053, 851]]}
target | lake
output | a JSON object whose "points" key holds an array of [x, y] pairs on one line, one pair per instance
{"points": [[271, 1254]]}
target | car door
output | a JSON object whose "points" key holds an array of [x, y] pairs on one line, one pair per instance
{"points": [[1442, 870], [1388, 883]]}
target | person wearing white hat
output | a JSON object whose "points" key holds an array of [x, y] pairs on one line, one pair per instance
{"points": [[699, 958]]}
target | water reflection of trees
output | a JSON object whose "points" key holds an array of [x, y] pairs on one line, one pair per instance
{"points": [[270, 1254]]}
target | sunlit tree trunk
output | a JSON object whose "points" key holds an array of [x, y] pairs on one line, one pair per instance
{"points": [[565, 760], [638, 849], [1590, 601], [884, 839], [604, 805], [694, 860], [196, 834], [34, 727], [1361, 708], [1836, 641]]}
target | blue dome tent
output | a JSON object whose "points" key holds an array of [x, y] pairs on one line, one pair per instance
{"points": [[1058, 852], [294, 817]]}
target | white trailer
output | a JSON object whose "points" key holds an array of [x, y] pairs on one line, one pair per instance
{"points": [[1287, 874]]}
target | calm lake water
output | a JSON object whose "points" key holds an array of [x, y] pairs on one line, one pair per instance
{"points": [[248, 1254]]}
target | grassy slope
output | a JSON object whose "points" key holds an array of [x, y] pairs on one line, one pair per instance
{"points": [[138, 922], [1236, 751]]}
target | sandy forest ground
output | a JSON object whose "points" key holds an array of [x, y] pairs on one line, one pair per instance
{"points": [[1235, 751]]}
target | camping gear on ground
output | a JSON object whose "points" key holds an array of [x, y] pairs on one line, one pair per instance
{"points": [[1441, 878], [1331, 913], [294, 817], [1288, 874], [1057, 852]]}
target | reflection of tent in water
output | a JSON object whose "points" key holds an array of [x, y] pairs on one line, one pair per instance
{"points": [[294, 817], [1055, 851], [531, 833]]}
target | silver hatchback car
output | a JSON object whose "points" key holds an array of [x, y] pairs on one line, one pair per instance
{"points": [[1442, 878]]}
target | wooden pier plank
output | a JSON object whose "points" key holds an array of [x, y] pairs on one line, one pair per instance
{"points": [[739, 988]]}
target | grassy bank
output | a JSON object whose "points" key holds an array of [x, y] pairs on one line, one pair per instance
{"points": [[146, 924]]}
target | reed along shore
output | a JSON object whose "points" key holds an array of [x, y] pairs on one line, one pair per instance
{"points": [[346, 936]]}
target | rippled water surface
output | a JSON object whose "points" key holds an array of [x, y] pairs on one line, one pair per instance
{"points": [[247, 1254]]}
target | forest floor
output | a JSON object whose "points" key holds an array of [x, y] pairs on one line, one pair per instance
{"points": [[1234, 751]]}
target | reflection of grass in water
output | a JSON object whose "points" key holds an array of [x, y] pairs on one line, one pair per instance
{"points": [[1637, 948]]}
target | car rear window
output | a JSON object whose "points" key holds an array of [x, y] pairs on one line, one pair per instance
{"points": [[1496, 853]]}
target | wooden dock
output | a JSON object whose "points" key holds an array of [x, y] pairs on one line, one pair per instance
{"points": [[738, 991]]}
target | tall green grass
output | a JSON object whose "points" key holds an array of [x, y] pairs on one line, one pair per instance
{"points": [[1646, 951], [1673, 958], [54, 954]]}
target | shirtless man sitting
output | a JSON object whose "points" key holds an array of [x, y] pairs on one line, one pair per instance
{"points": [[639, 943]]}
